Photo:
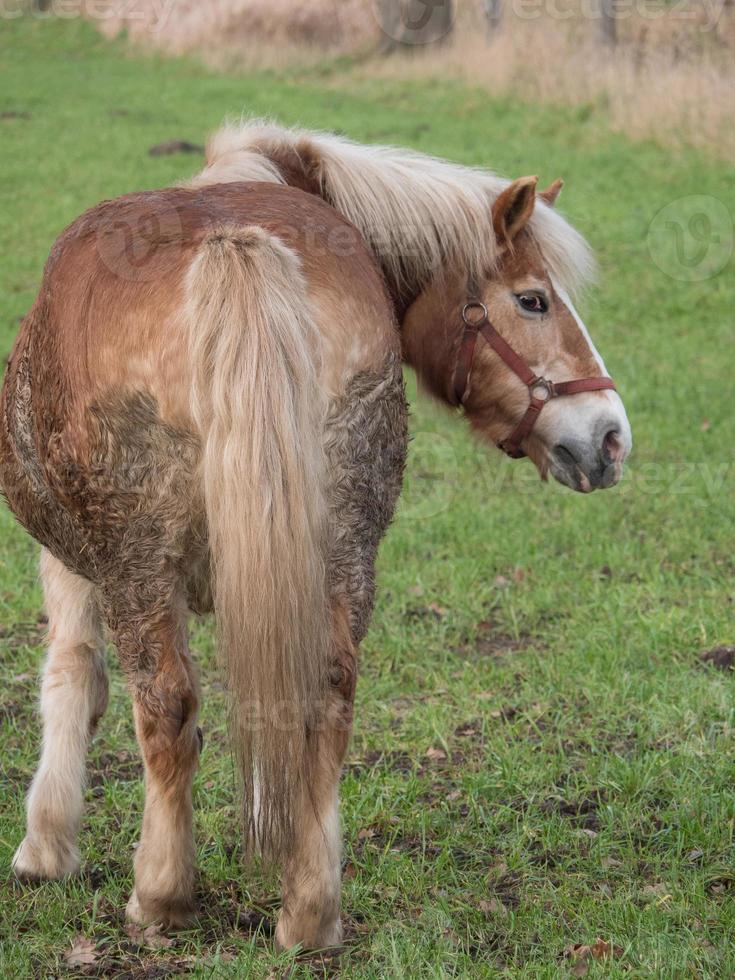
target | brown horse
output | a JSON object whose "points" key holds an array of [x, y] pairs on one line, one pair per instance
{"points": [[205, 409]]}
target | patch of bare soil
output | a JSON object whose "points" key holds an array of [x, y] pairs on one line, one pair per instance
{"points": [[123, 766], [721, 657], [583, 811], [397, 761], [488, 639], [171, 147]]}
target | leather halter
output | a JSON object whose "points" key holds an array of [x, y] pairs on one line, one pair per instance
{"points": [[540, 390]]}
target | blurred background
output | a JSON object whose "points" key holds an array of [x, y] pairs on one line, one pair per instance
{"points": [[661, 68]]}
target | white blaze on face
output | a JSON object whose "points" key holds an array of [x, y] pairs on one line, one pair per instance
{"points": [[566, 300], [584, 410]]}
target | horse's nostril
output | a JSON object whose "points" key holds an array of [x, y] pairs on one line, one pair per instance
{"points": [[565, 455], [612, 446]]}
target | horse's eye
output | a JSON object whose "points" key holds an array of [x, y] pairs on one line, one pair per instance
{"points": [[532, 302]]}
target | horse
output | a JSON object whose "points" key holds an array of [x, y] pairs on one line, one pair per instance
{"points": [[204, 410]]}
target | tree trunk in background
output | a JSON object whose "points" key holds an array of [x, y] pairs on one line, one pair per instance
{"points": [[608, 24], [413, 23], [493, 12]]}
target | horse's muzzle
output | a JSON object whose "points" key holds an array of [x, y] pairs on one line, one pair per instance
{"points": [[591, 464]]}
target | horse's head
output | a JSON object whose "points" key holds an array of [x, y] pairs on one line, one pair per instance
{"points": [[510, 345]]}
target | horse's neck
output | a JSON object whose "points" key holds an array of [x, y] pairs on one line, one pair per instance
{"points": [[402, 296], [431, 329]]}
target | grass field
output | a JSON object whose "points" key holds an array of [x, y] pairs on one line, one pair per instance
{"points": [[540, 757]]}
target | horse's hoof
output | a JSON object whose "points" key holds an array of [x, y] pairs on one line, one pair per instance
{"points": [[290, 934], [178, 916], [41, 861], [133, 911]]}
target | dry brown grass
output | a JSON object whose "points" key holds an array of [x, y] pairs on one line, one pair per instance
{"points": [[671, 77], [246, 33]]}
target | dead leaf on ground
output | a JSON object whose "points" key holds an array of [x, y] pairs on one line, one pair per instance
{"points": [[609, 862], [437, 755], [493, 907], [581, 954], [83, 952], [498, 870], [466, 730], [507, 713], [655, 891]]}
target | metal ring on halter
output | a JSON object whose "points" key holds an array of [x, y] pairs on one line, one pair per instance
{"points": [[544, 386], [474, 305]]}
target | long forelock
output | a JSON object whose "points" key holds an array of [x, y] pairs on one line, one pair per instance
{"points": [[420, 215]]}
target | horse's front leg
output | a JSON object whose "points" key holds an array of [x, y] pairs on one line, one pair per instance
{"points": [[312, 874], [73, 698], [153, 649]]}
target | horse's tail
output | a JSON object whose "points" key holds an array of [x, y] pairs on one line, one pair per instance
{"points": [[257, 403]]}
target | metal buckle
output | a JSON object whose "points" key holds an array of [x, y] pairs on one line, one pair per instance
{"points": [[471, 322], [541, 385]]}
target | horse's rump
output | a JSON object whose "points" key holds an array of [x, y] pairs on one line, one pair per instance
{"points": [[110, 321]]}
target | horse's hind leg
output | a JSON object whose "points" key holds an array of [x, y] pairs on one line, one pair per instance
{"points": [[312, 876], [152, 643], [73, 698]]}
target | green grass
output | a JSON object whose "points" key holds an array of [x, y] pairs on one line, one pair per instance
{"points": [[545, 643]]}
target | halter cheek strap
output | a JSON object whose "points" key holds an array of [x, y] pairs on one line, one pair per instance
{"points": [[540, 390]]}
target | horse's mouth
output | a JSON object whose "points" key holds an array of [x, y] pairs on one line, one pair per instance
{"points": [[567, 471]]}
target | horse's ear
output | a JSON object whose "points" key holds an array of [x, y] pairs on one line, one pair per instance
{"points": [[513, 208], [551, 193]]}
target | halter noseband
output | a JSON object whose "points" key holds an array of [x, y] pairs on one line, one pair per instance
{"points": [[540, 390]]}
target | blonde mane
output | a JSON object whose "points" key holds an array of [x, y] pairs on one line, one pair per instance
{"points": [[419, 214]]}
